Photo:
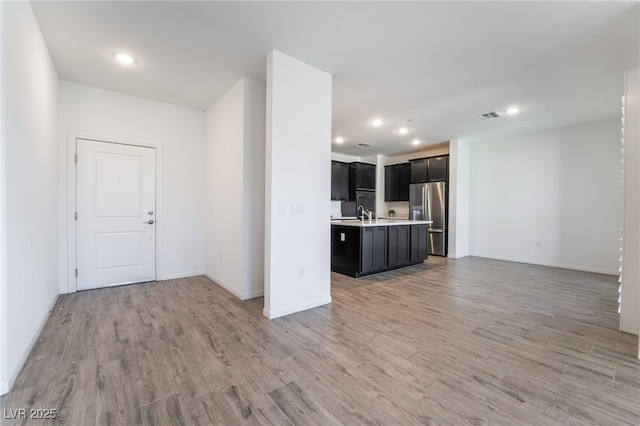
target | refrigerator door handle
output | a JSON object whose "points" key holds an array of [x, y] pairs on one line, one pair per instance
{"points": [[425, 212]]}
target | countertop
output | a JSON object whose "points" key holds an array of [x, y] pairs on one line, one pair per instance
{"points": [[379, 222]]}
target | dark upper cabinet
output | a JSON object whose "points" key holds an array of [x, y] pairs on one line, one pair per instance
{"points": [[396, 182], [432, 169], [419, 170], [339, 181], [438, 169], [362, 175]]}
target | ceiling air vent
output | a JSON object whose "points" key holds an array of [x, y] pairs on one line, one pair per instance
{"points": [[362, 145], [487, 116]]}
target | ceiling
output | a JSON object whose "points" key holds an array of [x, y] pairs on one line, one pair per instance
{"points": [[428, 66]]}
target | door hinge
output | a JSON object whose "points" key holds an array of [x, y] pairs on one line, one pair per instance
{"points": [[76, 158], [76, 273], [76, 215]]}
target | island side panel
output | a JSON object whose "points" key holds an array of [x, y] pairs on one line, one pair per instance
{"points": [[345, 250]]}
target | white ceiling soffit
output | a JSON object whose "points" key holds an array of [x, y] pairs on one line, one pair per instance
{"points": [[435, 63]]}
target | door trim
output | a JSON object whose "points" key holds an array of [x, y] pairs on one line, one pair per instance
{"points": [[68, 273]]}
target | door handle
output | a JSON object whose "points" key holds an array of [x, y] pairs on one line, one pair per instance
{"points": [[150, 222]]}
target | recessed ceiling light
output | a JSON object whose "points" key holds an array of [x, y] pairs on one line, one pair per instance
{"points": [[403, 130], [123, 58], [415, 141], [339, 140], [376, 122], [512, 110]]}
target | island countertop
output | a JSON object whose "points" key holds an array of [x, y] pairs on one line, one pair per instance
{"points": [[379, 222]]}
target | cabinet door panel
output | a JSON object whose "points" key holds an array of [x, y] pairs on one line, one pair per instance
{"points": [[335, 183], [419, 170], [398, 245], [343, 182], [391, 183], [419, 242], [404, 179], [374, 249], [380, 247], [366, 247], [438, 169]]}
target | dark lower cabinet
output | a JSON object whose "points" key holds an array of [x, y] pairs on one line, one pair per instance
{"points": [[419, 243], [398, 246], [358, 251], [373, 249]]}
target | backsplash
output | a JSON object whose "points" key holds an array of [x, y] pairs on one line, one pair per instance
{"points": [[336, 209]]}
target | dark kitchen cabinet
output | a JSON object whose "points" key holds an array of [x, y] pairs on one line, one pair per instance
{"points": [[398, 245], [419, 170], [361, 176], [373, 249], [438, 169], [339, 181], [431, 169], [357, 251], [419, 246], [396, 182]]}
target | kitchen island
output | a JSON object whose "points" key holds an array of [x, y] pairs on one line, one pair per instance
{"points": [[366, 247]]}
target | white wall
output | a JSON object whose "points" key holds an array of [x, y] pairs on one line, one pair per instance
{"points": [[255, 116], [234, 163], [179, 132], [458, 199], [298, 185], [4, 381], [560, 187], [30, 262], [630, 300]]}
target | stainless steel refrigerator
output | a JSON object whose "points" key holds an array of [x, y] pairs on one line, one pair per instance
{"points": [[427, 201]]}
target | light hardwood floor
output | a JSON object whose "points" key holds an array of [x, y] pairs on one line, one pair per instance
{"points": [[451, 342]]}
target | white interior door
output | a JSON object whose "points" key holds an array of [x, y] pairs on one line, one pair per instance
{"points": [[116, 231]]}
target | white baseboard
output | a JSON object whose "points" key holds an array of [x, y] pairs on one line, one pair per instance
{"points": [[166, 277], [5, 386], [224, 285], [294, 309], [551, 264], [456, 256], [252, 294]]}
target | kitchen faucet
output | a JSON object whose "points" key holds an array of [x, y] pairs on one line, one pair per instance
{"points": [[365, 211]]}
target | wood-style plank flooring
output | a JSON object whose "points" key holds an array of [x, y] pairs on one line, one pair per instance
{"points": [[452, 342]]}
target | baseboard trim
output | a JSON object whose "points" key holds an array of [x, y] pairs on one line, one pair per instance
{"points": [[455, 256], [6, 386], [240, 295], [295, 309], [550, 264], [166, 277]]}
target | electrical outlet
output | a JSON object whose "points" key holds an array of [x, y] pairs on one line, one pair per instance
{"points": [[300, 271], [221, 258], [538, 244]]}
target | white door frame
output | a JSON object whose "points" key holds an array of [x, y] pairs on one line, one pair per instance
{"points": [[72, 197]]}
